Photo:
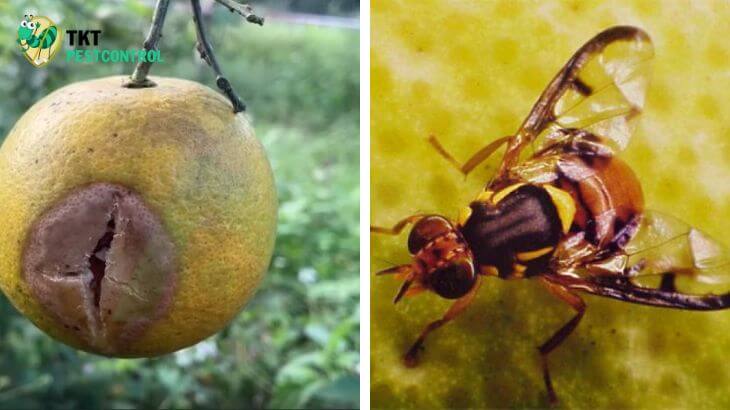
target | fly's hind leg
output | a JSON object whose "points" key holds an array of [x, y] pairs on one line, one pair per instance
{"points": [[411, 357], [476, 159], [556, 339]]}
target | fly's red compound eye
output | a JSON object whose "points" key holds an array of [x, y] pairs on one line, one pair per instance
{"points": [[454, 280], [426, 230]]}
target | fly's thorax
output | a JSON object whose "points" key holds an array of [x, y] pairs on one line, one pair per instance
{"points": [[512, 233]]}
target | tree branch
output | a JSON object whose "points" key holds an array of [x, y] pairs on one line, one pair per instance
{"points": [[139, 76], [206, 53], [243, 9]]}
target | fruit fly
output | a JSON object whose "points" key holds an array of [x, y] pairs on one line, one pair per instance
{"points": [[29, 37], [562, 208]]}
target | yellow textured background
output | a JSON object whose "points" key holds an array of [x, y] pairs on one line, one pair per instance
{"points": [[469, 72]]}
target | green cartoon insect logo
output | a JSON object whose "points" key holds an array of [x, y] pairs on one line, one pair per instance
{"points": [[39, 38]]}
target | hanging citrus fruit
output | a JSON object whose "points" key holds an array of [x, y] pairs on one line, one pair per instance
{"points": [[135, 221]]}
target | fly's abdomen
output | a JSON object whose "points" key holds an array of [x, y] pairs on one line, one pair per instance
{"points": [[607, 195]]}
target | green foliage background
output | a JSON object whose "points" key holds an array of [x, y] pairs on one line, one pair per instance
{"points": [[297, 342]]}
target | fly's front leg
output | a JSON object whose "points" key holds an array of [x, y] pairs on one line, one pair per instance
{"points": [[476, 159], [411, 357], [556, 339], [398, 227]]}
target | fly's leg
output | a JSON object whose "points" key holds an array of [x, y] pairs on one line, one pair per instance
{"points": [[476, 159], [556, 339], [398, 227], [411, 357]]}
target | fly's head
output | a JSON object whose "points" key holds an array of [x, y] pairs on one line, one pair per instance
{"points": [[442, 261]]}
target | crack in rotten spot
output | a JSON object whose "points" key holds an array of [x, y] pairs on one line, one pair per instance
{"points": [[98, 260], [113, 273]]}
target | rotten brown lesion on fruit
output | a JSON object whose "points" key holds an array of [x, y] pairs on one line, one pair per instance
{"points": [[100, 262]]}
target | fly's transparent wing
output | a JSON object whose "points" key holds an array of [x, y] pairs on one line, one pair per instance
{"points": [[665, 244], [595, 100], [591, 106], [662, 251]]}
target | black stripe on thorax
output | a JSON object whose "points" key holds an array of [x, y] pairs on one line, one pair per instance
{"points": [[524, 220]]}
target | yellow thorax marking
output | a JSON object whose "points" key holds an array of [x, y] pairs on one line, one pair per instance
{"points": [[503, 193], [565, 205], [485, 196], [530, 255], [464, 214], [489, 270], [519, 270]]}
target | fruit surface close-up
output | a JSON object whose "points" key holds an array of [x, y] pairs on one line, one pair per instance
{"points": [[468, 73], [134, 222]]}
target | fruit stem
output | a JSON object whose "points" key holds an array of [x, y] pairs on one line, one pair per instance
{"points": [[206, 50], [139, 79], [139, 76]]}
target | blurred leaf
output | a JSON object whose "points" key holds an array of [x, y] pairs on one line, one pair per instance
{"points": [[341, 393]]}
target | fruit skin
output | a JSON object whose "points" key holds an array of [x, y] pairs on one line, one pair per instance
{"points": [[196, 165], [469, 72]]}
